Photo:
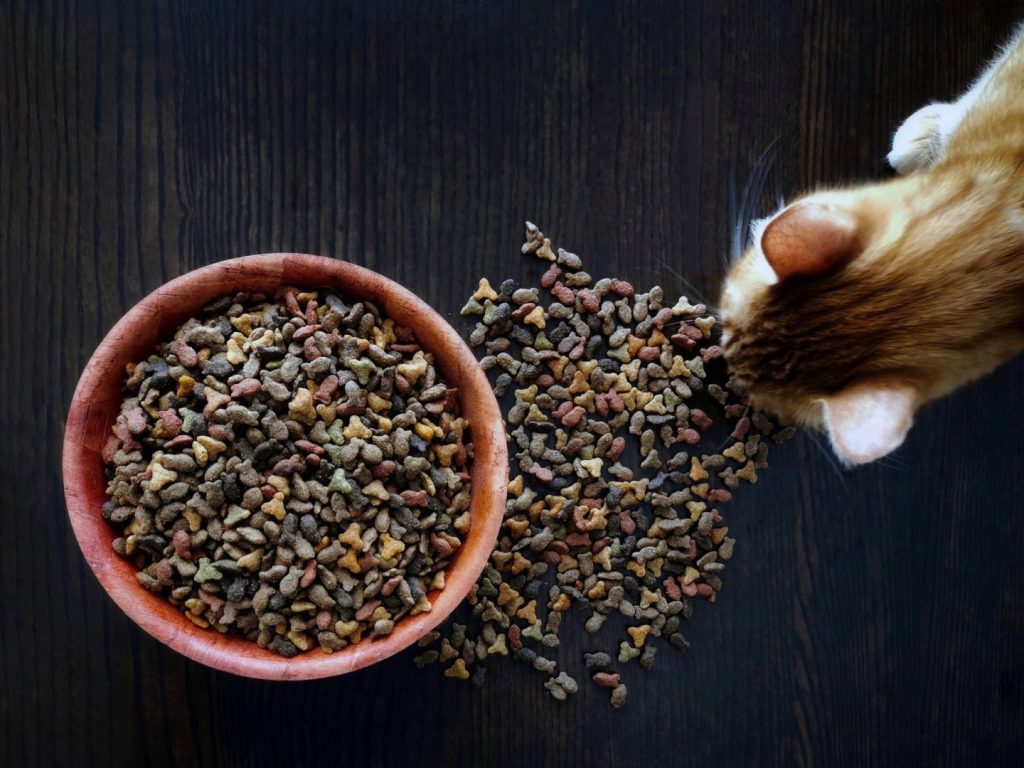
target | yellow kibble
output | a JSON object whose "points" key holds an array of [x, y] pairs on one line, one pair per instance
{"points": [[458, 670], [350, 561], [697, 472], [193, 519], [185, 386], [351, 537], [639, 634]]}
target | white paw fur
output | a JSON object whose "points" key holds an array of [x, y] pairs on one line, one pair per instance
{"points": [[919, 142]]}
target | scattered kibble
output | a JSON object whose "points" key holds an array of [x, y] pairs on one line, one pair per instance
{"points": [[292, 469], [612, 508]]}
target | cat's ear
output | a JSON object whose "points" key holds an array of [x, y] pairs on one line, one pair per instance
{"points": [[810, 238], [869, 420]]}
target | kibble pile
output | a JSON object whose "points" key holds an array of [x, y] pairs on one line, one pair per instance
{"points": [[290, 470], [620, 405]]}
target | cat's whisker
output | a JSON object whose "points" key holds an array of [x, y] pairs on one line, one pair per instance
{"points": [[743, 210], [665, 267], [891, 462], [830, 458]]}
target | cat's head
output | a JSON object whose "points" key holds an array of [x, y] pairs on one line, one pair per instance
{"points": [[850, 309]]}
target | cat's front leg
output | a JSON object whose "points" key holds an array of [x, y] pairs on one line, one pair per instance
{"points": [[919, 142]]}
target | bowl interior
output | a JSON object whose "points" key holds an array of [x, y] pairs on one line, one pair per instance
{"points": [[96, 404]]}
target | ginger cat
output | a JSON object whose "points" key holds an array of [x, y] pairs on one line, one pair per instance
{"points": [[854, 307]]}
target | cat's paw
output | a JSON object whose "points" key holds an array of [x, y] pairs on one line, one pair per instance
{"points": [[919, 142]]}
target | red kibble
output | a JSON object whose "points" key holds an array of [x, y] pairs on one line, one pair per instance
{"points": [[607, 679], [310, 350], [577, 351], [305, 332], [564, 294], [578, 540], [623, 288], [648, 354], [685, 342], [367, 562], [222, 432], [627, 523], [548, 278], [563, 408], [288, 466], [617, 447], [719, 494], [414, 498], [579, 518], [136, 421], [309, 447], [245, 388], [390, 585], [671, 588], [515, 637], [523, 310], [560, 547], [290, 300], [404, 334], [543, 474], [589, 300], [308, 574], [110, 448], [182, 544], [688, 436], [185, 354], [741, 429], [711, 353], [172, 422], [367, 610], [573, 417], [325, 392], [702, 421], [384, 470], [663, 316]]}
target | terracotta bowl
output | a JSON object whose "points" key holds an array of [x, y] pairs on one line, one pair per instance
{"points": [[97, 402]]}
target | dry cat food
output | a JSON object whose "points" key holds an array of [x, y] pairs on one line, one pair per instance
{"points": [[292, 469], [620, 404]]}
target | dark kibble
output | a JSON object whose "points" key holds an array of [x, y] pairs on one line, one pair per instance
{"points": [[266, 506], [599, 374]]}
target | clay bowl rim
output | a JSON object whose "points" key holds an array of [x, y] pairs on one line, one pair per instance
{"points": [[96, 402]]}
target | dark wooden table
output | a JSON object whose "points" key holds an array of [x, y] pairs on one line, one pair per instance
{"points": [[869, 618]]}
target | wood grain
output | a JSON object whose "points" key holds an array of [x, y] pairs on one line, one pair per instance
{"points": [[871, 618]]}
